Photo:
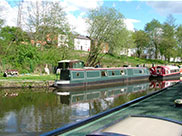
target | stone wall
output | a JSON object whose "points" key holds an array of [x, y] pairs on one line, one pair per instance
{"points": [[25, 84]]}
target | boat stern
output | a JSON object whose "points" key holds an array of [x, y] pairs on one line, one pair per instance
{"points": [[61, 83]]}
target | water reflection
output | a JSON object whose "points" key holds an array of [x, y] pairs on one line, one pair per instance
{"points": [[35, 111], [98, 100]]}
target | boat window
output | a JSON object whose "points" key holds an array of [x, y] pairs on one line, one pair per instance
{"points": [[104, 73], [93, 74], [167, 71], [158, 70], [122, 72], [63, 66], [113, 73], [77, 74], [140, 71], [175, 70], [78, 64]]}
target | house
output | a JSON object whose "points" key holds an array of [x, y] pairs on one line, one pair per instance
{"points": [[62, 40], [177, 59], [128, 52], [82, 43], [104, 46], [47, 40], [38, 43]]}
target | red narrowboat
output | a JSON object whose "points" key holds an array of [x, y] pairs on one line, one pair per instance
{"points": [[164, 72]]}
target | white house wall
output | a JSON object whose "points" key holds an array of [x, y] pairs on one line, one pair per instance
{"points": [[128, 52], [82, 44], [62, 40]]}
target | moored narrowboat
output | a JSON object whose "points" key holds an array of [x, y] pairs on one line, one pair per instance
{"points": [[73, 74], [164, 72]]}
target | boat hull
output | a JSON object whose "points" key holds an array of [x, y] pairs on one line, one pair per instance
{"points": [[102, 83], [96, 77], [165, 77]]}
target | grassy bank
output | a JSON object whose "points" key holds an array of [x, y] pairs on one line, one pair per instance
{"points": [[27, 81], [32, 77], [117, 61]]}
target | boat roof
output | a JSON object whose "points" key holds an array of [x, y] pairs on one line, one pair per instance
{"points": [[112, 68], [145, 126], [62, 61], [169, 67]]}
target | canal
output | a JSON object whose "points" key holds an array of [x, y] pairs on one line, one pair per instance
{"points": [[35, 111]]}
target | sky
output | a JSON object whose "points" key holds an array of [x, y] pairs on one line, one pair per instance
{"points": [[137, 13]]}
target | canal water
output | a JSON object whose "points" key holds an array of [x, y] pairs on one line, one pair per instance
{"points": [[35, 111]]}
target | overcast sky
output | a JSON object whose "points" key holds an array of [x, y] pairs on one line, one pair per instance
{"points": [[137, 13]]}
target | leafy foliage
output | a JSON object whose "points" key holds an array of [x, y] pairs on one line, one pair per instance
{"points": [[169, 43], [13, 34], [141, 40], [106, 26], [154, 30], [179, 40]]}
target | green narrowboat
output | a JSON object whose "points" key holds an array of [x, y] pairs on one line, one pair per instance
{"points": [[73, 74]]}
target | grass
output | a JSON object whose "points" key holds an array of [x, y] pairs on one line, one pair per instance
{"points": [[110, 60], [30, 77], [116, 61]]}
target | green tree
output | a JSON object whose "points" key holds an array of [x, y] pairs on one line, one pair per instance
{"points": [[25, 58], [1, 41], [154, 30], [141, 39], [179, 40], [105, 26], [9, 36], [1, 23], [168, 46], [46, 20], [13, 34]]}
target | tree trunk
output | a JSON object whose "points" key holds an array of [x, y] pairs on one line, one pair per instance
{"points": [[156, 50], [93, 57]]}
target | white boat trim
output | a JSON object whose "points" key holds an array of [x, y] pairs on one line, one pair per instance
{"points": [[63, 93], [62, 82]]}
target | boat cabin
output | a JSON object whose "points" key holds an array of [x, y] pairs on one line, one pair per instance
{"points": [[164, 71], [10, 72], [65, 64], [167, 69]]}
